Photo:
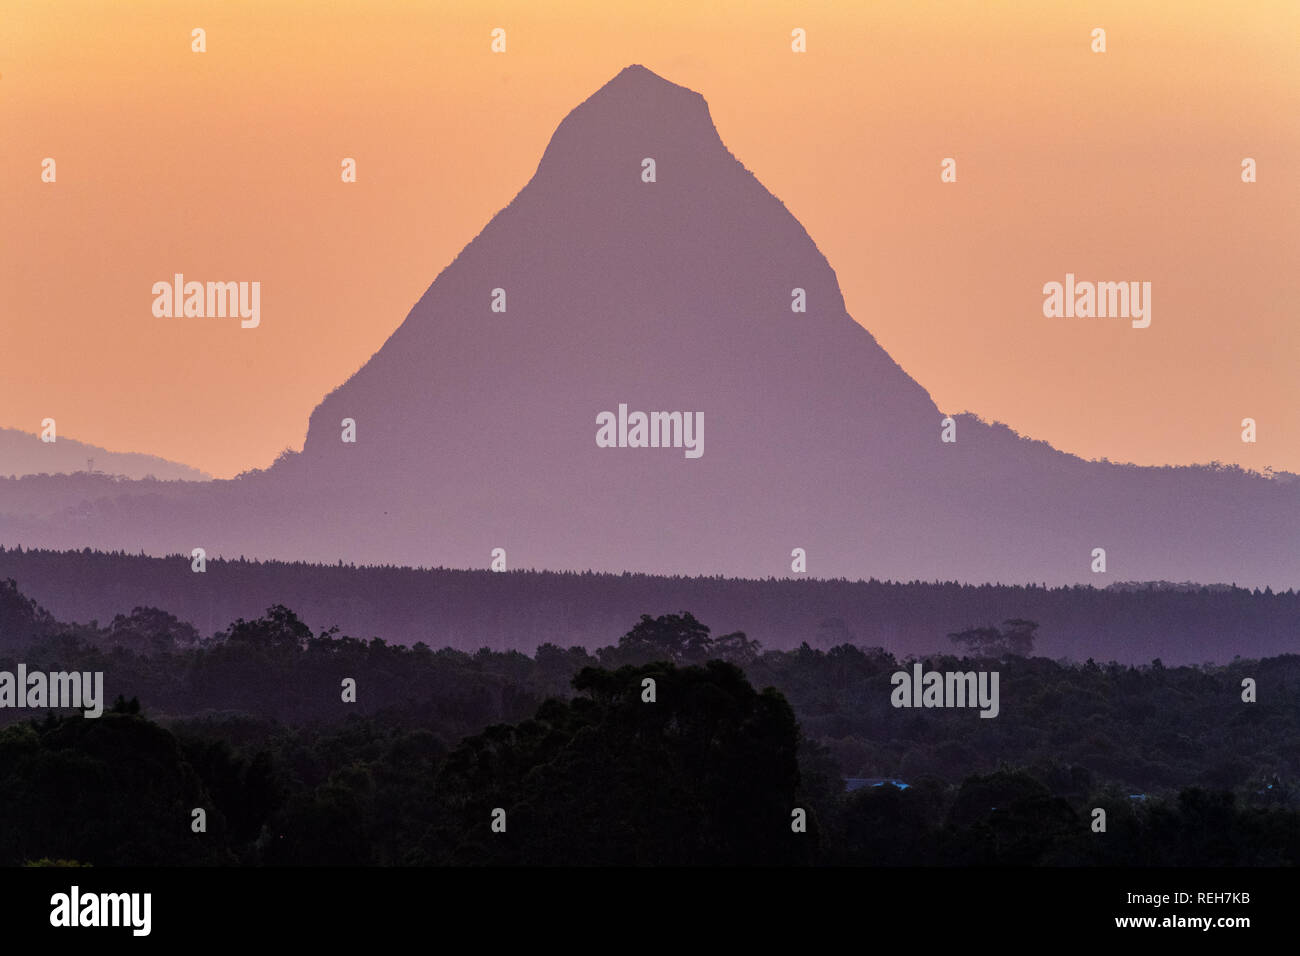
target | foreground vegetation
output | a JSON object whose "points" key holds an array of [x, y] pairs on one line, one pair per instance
{"points": [[254, 728]]}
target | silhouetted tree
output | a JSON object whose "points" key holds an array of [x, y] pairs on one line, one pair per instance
{"points": [[706, 774], [670, 637], [1015, 638]]}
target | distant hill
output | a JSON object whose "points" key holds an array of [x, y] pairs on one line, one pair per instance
{"points": [[22, 453]]}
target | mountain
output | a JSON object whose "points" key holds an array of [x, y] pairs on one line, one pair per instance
{"points": [[477, 429], [22, 453]]}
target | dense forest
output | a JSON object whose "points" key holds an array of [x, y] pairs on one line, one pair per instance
{"points": [[522, 610], [742, 755]]}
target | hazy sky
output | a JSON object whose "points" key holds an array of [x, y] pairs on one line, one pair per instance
{"points": [[225, 165]]}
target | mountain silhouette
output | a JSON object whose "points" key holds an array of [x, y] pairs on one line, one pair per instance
{"points": [[476, 429], [22, 453]]}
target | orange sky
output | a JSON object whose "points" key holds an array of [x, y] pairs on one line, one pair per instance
{"points": [[225, 166]]}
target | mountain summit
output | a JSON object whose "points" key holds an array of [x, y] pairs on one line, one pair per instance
{"points": [[644, 271], [666, 288], [635, 110]]}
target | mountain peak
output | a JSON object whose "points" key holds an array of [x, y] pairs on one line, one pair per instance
{"points": [[636, 112], [636, 80]]}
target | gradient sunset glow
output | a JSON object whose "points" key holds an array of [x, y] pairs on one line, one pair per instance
{"points": [[225, 165]]}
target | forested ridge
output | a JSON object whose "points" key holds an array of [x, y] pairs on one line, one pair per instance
{"points": [[1133, 622]]}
